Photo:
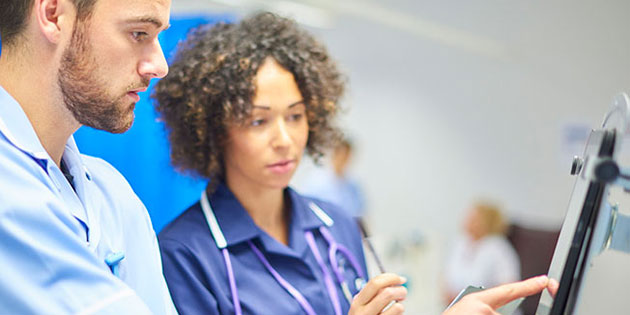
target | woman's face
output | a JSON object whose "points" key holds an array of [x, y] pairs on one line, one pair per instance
{"points": [[474, 225], [267, 148]]}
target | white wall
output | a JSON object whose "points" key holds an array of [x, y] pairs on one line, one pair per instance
{"points": [[452, 100], [438, 126]]}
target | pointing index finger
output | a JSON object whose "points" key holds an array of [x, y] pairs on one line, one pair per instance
{"points": [[501, 295]]}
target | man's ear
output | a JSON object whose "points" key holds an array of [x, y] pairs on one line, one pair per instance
{"points": [[53, 17]]}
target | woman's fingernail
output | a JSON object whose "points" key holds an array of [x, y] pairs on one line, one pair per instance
{"points": [[403, 279], [542, 279]]}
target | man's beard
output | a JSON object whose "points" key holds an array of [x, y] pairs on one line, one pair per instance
{"points": [[85, 93]]}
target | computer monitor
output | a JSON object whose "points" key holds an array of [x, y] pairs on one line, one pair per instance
{"points": [[587, 226]]}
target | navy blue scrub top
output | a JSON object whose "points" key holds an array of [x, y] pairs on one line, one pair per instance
{"points": [[195, 268]]}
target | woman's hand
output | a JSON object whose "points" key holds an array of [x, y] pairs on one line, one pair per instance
{"points": [[487, 301], [378, 293], [553, 287]]}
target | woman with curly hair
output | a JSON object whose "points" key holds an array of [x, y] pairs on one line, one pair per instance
{"points": [[242, 102]]}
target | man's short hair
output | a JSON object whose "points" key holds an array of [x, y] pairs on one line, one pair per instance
{"points": [[14, 15]]}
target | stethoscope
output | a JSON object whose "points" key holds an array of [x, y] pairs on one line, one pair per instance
{"points": [[334, 248]]}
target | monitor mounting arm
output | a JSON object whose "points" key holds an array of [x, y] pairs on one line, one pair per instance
{"points": [[606, 170]]}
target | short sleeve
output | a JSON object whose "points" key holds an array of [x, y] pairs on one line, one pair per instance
{"points": [[47, 266], [184, 279]]}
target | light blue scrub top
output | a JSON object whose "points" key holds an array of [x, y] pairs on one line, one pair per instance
{"points": [[195, 269], [54, 241]]}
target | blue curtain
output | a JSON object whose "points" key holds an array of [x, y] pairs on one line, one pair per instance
{"points": [[142, 153]]}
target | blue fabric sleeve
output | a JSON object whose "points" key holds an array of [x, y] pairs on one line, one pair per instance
{"points": [[46, 265], [127, 219], [183, 274]]}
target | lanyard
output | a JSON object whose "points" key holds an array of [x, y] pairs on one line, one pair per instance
{"points": [[222, 245], [334, 247], [330, 286], [284, 283]]}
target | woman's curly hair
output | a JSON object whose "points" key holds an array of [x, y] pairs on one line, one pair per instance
{"points": [[210, 86]]}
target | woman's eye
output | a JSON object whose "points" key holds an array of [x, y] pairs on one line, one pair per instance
{"points": [[295, 117], [256, 122], [139, 36]]}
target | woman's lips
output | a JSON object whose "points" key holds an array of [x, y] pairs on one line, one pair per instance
{"points": [[282, 167]]}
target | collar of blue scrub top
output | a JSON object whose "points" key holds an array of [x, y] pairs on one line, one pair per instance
{"points": [[237, 226], [20, 132], [16, 127]]}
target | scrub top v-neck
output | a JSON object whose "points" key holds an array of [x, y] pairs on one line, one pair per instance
{"points": [[195, 270]]}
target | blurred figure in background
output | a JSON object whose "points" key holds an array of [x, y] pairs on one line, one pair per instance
{"points": [[483, 256], [333, 184]]}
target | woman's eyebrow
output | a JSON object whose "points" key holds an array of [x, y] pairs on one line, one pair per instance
{"points": [[261, 107], [297, 103], [269, 107]]}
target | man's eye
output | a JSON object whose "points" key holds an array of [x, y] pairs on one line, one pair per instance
{"points": [[139, 36]]}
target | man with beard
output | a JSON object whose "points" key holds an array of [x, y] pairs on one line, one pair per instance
{"points": [[74, 238]]}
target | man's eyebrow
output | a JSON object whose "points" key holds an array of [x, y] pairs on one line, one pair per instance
{"points": [[145, 19]]}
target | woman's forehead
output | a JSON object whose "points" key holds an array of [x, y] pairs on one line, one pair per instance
{"points": [[275, 87]]}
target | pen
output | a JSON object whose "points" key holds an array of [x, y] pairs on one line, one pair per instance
{"points": [[370, 248], [369, 245]]}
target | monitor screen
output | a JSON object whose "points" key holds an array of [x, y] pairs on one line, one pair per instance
{"points": [[587, 221]]}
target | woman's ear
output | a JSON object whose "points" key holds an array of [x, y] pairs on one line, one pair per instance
{"points": [[53, 18]]}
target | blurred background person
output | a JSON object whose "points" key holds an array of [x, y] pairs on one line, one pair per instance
{"points": [[333, 183], [482, 256]]}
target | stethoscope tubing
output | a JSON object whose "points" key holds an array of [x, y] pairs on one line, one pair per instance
{"points": [[333, 248]]}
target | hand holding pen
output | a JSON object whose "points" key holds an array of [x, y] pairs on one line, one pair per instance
{"points": [[378, 294], [382, 293]]}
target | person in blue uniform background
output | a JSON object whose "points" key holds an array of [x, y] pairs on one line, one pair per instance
{"points": [[241, 104]]}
